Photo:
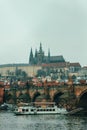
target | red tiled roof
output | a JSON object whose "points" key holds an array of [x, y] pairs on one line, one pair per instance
{"points": [[61, 64], [85, 67], [75, 64]]}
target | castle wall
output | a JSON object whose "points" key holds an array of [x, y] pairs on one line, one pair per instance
{"points": [[30, 70]]}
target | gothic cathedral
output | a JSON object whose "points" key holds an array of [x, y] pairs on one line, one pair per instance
{"points": [[39, 57]]}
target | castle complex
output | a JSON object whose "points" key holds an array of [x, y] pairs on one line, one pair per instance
{"points": [[50, 65], [39, 58]]}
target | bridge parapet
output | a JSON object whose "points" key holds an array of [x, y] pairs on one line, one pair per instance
{"points": [[79, 89]]}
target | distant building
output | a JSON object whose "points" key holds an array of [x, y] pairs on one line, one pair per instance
{"points": [[39, 58], [74, 67], [83, 72]]}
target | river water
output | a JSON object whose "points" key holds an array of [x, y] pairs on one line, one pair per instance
{"points": [[9, 121]]}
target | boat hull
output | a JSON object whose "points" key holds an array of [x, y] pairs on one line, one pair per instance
{"points": [[39, 111]]}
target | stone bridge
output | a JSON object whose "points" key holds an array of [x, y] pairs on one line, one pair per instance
{"points": [[63, 94], [81, 95]]}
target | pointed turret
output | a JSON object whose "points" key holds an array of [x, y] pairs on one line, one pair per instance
{"points": [[31, 57], [40, 50], [48, 55]]}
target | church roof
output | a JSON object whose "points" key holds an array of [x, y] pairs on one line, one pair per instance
{"points": [[57, 59], [54, 59]]}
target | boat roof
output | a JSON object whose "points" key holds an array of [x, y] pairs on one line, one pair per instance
{"points": [[44, 103], [38, 103]]}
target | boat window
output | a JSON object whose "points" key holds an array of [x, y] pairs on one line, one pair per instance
{"points": [[26, 110], [23, 110], [47, 109], [32, 110]]}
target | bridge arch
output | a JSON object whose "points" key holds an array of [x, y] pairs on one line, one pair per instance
{"points": [[56, 97], [82, 100], [36, 94], [24, 97], [8, 96]]}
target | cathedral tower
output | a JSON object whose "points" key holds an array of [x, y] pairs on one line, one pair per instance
{"points": [[48, 55], [40, 55], [31, 58]]}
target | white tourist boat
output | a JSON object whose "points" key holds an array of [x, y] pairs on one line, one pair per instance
{"points": [[39, 108]]}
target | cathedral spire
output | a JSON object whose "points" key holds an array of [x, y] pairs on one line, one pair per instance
{"points": [[31, 57], [49, 55], [40, 50]]}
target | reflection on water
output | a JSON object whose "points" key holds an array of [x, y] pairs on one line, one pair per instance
{"points": [[9, 121]]}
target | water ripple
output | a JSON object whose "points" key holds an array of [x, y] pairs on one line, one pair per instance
{"points": [[8, 121]]}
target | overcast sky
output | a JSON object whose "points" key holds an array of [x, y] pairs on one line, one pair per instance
{"points": [[60, 25]]}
